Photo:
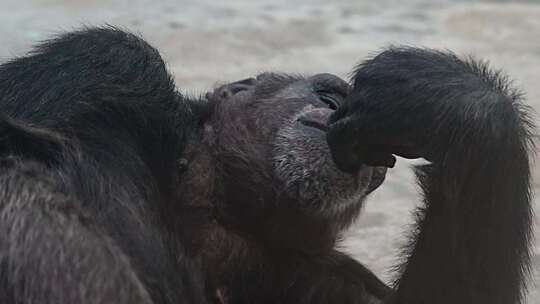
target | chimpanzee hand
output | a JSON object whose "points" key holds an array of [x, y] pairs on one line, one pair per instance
{"points": [[369, 131], [412, 103], [472, 243]]}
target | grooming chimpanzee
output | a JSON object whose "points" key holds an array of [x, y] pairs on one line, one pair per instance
{"points": [[115, 188]]}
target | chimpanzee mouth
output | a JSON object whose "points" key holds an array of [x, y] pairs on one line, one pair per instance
{"points": [[313, 124], [316, 118]]}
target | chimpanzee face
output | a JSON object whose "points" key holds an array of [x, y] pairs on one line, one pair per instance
{"points": [[278, 123]]}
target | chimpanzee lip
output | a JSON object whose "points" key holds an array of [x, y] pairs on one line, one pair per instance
{"points": [[316, 118], [313, 124]]}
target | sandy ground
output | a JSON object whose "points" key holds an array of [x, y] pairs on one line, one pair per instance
{"points": [[206, 41]]}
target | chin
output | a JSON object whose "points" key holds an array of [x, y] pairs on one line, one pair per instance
{"points": [[304, 167]]}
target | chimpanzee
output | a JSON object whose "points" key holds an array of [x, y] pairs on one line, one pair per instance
{"points": [[116, 188]]}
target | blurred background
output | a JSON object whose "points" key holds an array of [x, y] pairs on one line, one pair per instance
{"points": [[206, 42]]}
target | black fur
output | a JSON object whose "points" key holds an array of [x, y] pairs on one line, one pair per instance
{"points": [[472, 240], [118, 189], [108, 93]]}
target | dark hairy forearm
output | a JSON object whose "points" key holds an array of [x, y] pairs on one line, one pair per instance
{"points": [[471, 244]]}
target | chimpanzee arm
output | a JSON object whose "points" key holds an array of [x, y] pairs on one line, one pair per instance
{"points": [[107, 96], [50, 250], [471, 244]]}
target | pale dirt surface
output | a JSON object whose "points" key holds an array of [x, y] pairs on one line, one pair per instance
{"points": [[207, 42]]}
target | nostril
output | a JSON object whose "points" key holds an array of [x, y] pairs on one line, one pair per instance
{"points": [[329, 99]]}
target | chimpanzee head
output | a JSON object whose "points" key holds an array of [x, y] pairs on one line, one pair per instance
{"points": [[268, 135]]}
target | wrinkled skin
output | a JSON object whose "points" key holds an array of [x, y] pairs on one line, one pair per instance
{"points": [[291, 115]]}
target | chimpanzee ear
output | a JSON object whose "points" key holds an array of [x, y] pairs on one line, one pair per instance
{"points": [[17, 138]]}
